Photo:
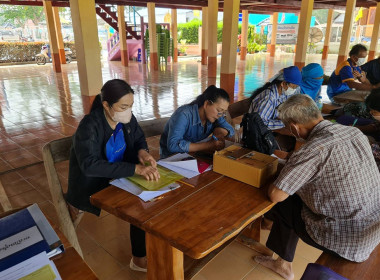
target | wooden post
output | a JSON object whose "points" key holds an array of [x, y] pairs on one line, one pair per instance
{"points": [[58, 30], [152, 35], [229, 43], [346, 32], [142, 24], [327, 34], [83, 15], [274, 34], [204, 36], [212, 27], [122, 36], [164, 261], [303, 32], [375, 34], [174, 35], [244, 35], [48, 9]]}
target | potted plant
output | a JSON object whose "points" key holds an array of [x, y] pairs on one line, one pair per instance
{"points": [[182, 47]]}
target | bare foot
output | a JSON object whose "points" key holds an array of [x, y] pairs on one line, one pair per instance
{"points": [[266, 224], [254, 245], [280, 266], [140, 262]]}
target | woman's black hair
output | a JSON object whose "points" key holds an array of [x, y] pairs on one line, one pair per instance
{"points": [[111, 92], [373, 100], [212, 93], [357, 49], [264, 87]]}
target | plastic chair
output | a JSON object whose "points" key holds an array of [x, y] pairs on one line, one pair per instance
{"points": [[54, 152]]}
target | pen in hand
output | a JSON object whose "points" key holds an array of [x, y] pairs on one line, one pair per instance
{"points": [[355, 121], [214, 137]]}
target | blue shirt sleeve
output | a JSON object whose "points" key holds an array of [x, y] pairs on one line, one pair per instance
{"points": [[221, 122], [346, 74], [177, 129]]}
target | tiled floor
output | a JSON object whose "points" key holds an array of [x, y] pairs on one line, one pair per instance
{"points": [[37, 106]]}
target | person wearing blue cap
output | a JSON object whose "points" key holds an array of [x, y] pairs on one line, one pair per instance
{"points": [[266, 99], [312, 79]]}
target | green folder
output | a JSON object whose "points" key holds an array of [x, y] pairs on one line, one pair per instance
{"points": [[167, 177]]}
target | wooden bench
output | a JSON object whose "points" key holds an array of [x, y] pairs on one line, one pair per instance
{"points": [[368, 270]]}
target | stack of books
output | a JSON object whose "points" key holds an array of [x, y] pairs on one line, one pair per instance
{"points": [[27, 239]]}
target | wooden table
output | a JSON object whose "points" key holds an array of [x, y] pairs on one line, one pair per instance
{"points": [[193, 221], [351, 96]]}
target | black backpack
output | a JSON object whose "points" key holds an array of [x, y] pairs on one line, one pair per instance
{"points": [[256, 135]]}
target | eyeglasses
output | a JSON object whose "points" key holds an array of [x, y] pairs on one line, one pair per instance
{"points": [[221, 112]]}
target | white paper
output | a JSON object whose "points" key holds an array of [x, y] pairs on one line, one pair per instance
{"points": [[19, 241], [187, 168], [29, 266], [144, 195]]}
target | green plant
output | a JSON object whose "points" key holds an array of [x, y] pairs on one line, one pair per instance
{"points": [[189, 31], [182, 46]]}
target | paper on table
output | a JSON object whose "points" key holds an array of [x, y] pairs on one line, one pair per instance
{"points": [[145, 195], [167, 177], [38, 267], [180, 164]]}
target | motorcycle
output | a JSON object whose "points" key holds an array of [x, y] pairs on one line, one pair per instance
{"points": [[45, 55]]}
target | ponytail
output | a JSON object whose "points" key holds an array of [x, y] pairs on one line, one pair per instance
{"points": [[97, 103], [264, 87]]}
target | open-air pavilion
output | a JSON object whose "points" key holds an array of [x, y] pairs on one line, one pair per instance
{"points": [[31, 114], [85, 30]]}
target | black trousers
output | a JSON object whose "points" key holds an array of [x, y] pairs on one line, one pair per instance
{"points": [[137, 241], [287, 228]]}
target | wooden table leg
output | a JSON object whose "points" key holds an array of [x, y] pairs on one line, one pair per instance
{"points": [[164, 261], [253, 230]]}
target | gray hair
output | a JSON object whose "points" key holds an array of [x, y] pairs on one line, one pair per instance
{"points": [[299, 108]]}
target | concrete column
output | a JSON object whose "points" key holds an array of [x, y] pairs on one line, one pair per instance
{"points": [[274, 34], [58, 30], [229, 43], [122, 36], [244, 35], [174, 35], [204, 36], [212, 27], [83, 15], [346, 32], [303, 32], [152, 35], [48, 9], [375, 34], [327, 34]]}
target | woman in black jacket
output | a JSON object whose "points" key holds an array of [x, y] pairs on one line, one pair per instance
{"points": [[109, 144]]}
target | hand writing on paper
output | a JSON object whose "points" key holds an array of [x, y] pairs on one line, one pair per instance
{"points": [[216, 145], [150, 173]]}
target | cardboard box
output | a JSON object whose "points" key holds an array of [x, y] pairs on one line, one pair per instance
{"points": [[244, 165]]}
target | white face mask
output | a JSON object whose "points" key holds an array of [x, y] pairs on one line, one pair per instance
{"points": [[289, 91], [122, 117], [361, 61]]}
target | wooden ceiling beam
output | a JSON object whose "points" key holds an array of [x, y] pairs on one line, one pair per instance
{"points": [[34, 3]]}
